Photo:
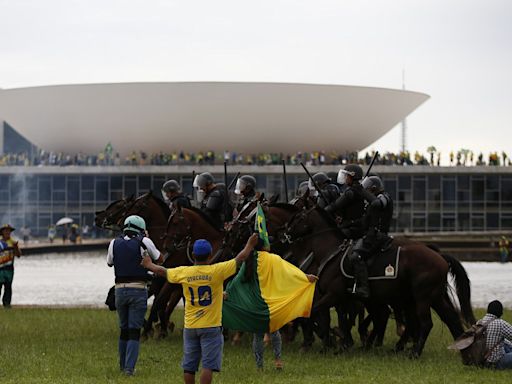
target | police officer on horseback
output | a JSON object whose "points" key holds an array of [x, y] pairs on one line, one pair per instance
{"points": [[246, 190], [125, 255], [329, 189], [379, 214], [213, 199], [350, 206], [173, 195]]}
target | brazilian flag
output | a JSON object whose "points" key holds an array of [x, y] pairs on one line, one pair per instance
{"points": [[268, 297], [260, 226]]}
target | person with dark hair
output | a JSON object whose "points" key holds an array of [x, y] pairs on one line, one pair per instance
{"points": [[499, 337], [203, 291], [131, 295]]}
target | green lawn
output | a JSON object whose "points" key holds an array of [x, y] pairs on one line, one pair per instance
{"points": [[80, 346]]}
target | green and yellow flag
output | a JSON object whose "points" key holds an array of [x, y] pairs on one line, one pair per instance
{"points": [[275, 293], [260, 225]]}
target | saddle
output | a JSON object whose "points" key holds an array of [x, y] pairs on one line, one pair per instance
{"points": [[381, 266]]}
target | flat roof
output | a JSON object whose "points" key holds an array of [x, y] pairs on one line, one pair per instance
{"points": [[195, 116], [418, 170]]}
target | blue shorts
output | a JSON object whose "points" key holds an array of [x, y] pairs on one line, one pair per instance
{"points": [[205, 345]]}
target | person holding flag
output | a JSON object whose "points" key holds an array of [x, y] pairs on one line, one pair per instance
{"points": [[266, 294]]}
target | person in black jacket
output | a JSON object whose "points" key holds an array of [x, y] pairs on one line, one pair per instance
{"points": [[172, 193], [213, 199], [350, 206]]}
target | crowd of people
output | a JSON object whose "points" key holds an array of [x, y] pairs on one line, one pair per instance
{"points": [[108, 157]]}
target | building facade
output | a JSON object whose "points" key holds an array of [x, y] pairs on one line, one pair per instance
{"points": [[427, 199]]}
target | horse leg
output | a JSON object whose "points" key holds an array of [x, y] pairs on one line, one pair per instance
{"points": [[174, 299], [410, 330], [425, 325], [160, 305], [379, 314], [345, 323], [308, 334], [324, 328], [154, 289]]}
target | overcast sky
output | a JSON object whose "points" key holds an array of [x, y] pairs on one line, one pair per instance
{"points": [[457, 51]]}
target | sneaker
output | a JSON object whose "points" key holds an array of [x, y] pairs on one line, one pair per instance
{"points": [[129, 372], [278, 363]]}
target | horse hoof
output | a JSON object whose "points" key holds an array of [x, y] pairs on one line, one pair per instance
{"points": [[413, 355], [171, 327], [305, 349], [162, 335]]}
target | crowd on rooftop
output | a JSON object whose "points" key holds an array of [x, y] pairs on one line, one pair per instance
{"points": [[107, 157]]}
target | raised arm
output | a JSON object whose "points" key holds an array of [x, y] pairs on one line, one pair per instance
{"points": [[248, 249], [156, 269]]}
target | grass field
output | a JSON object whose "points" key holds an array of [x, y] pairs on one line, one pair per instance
{"points": [[80, 346]]}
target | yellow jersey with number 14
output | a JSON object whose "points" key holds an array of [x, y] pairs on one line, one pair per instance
{"points": [[203, 288]]}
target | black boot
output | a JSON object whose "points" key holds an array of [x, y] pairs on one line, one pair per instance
{"points": [[362, 289]]}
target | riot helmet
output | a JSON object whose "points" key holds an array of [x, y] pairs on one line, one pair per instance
{"points": [[245, 183], [303, 188], [353, 170], [373, 184], [170, 186], [203, 180], [320, 179]]}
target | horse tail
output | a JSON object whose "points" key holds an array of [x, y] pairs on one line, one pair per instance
{"points": [[462, 287]]}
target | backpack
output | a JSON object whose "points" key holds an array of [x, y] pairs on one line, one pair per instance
{"points": [[472, 345]]}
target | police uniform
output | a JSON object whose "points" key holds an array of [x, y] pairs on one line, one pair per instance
{"points": [[350, 206], [214, 206], [181, 200]]}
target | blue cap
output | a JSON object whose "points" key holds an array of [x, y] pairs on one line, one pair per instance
{"points": [[202, 247]]}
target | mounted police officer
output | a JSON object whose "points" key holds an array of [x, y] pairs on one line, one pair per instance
{"points": [[329, 189], [246, 190], [379, 213], [350, 206], [213, 199], [125, 255], [173, 195]]}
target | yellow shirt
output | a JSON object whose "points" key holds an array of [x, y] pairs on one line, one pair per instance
{"points": [[203, 290]]}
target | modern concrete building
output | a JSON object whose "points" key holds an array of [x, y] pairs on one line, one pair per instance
{"points": [[198, 116]]}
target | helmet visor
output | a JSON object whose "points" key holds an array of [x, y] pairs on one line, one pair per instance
{"points": [[240, 186], [342, 176], [195, 184]]}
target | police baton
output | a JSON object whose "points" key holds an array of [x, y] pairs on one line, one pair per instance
{"points": [[315, 185], [371, 164], [233, 181], [285, 181]]}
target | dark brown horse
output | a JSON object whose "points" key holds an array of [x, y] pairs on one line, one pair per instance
{"points": [[421, 283]]}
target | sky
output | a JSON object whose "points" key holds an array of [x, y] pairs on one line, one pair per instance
{"points": [[457, 51]]}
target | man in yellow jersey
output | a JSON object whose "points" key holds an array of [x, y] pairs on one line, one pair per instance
{"points": [[203, 290]]}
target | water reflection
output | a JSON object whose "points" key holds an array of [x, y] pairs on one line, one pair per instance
{"points": [[84, 279]]}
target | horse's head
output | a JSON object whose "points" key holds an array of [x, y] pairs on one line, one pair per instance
{"points": [[242, 226], [306, 200], [299, 226], [114, 214], [178, 233]]}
